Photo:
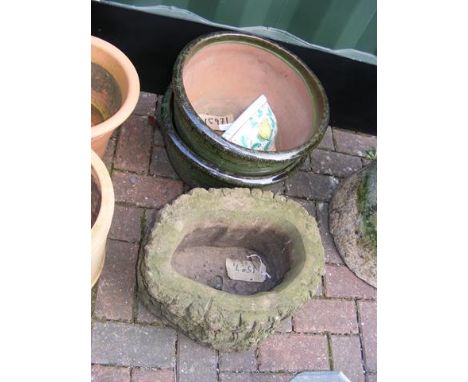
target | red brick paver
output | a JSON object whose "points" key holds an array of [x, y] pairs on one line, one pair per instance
{"points": [[145, 191], [151, 375], [255, 377], [348, 142], [116, 288], [160, 164], [196, 362], [101, 373], [327, 141], [334, 316], [238, 361], [126, 224], [134, 146], [311, 186], [145, 317], [336, 164], [122, 344], [368, 319], [293, 352], [346, 353], [341, 282], [158, 140], [146, 104]]}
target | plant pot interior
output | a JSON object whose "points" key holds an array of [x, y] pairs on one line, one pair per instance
{"points": [[225, 78], [202, 254], [106, 97], [95, 199]]}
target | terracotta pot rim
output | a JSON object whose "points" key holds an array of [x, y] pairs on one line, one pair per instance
{"points": [[106, 210], [238, 180], [258, 42], [129, 103]]}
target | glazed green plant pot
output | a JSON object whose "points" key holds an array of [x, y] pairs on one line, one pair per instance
{"points": [[196, 171], [223, 73]]}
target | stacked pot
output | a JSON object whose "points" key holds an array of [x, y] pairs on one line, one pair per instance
{"points": [[223, 73], [115, 89]]}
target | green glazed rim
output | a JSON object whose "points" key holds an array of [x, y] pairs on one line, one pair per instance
{"points": [[217, 173], [312, 82]]}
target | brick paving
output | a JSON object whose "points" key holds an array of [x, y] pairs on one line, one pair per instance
{"points": [[346, 352], [238, 361], [293, 352], [152, 375], [336, 330], [320, 315], [101, 373]]}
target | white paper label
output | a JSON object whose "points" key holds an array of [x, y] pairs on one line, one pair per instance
{"points": [[214, 121], [255, 128], [246, 270]]}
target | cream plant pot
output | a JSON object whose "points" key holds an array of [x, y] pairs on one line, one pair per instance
{"points": [[101, 226], [115, 89]]}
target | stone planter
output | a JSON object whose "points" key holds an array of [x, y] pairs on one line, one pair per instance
{"points": [[182, 278], [223, 73], [196, 171], [353, 222], [101, 214], [115, 89]]}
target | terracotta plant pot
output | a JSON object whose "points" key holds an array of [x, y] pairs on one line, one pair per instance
{"points": [[103, 218], [183, 276], [224, 73], [196, 171], [115, 89]]}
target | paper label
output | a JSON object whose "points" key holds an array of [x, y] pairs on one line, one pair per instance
{"points": [[255, 128], [246, 270], [213, 121]]}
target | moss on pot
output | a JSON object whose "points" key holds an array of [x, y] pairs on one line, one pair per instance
{"points": [[231, 218]]}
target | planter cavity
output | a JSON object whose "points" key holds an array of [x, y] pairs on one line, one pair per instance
{"points": [[102, 210], [115, 89], [182, 276], [223, 73]]}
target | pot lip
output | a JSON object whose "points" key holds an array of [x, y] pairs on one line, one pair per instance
{"points": [[204, 166], [129, 103], [234, 37], [106, 210]]}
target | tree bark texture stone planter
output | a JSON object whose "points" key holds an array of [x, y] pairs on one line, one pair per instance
{"points": [[102, 210], [353, 222], [197, 171], [223, 73], [183, 280], [115, 89]]}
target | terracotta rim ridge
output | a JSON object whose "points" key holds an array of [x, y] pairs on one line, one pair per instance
{"points": [[261, 43], [130, 101], [103, 221]]}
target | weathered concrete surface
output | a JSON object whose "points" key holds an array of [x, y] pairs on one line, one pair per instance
{"points": [[224, 320], [353, 222]]}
